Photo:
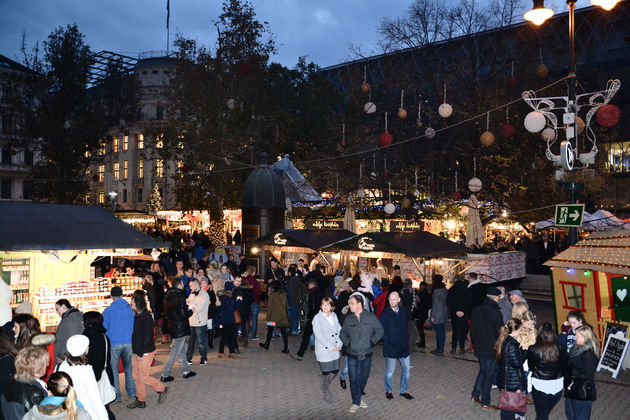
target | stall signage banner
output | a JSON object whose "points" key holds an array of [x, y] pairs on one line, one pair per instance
{"points": [[614, 353], [406, 225], [312, 224], [569, 215], [280, 239], [366, 244]]}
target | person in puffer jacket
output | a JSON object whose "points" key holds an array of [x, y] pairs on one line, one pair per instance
{"points": [[510, 356]]}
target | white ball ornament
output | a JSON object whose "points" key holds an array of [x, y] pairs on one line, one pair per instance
{"points": [[445, 110], [231, 103], [429, 132], [389, 208], [475, 185], [369, 108], [535, 121], [548, 134]]}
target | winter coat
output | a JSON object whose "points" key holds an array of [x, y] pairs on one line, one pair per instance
{"points": [[19, 397], [582, 364], [7, 369], [35, 414], [225, 312], [439, 311], [86, 388], [341, 302], [315, 296], [198, 302], [177, 313], [212, 298], [459, 298], [277, 308], [158, 289], [380, 302], [247, 294], [96, 352], [409, 300], [543, 369], [142, 338], [478, 292], [485, 324], [256, 289], [505, 306], [150, 291], [118, 321], [71, 323], [396, 333], [424, 305], [326, 337], [296, 290], [360, 334], [510, 374]]}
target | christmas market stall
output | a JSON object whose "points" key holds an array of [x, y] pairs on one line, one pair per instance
{"points": [[47, 253]]}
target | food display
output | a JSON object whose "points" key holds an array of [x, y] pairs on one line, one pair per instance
{"points": [[16, 274]]}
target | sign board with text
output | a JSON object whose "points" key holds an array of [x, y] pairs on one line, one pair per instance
{"points": [[614, 353], [406, 225], [569, 215], [312, 224]]}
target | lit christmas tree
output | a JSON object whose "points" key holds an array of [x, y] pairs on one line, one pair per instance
{"points": [[154, 204]]}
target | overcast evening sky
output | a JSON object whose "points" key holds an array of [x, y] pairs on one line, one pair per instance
{"points": [[319, 29]]}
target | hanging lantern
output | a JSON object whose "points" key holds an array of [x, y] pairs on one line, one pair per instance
{"points": [[474, 185], [402, 114], [389, 208], [405, 203], [548, 134], [608, 115], [534, 121], [419, 123], [386, 139], [231, 103], [429, 133], [445, 110], [542, 71], [507, 130], [487, 138], [365, 87], [369, 108]]}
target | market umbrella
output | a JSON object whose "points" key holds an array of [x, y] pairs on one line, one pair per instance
{"points": [[474, 230], [349, 217]]}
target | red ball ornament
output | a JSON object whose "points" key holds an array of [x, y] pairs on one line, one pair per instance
{"points": [[507, 130], [386, 139], [608, 115], [512, 81], [457, 196], [185, 169], [344, 143]]}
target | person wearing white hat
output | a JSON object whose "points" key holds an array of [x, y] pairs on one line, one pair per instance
{"points": [[85, 386]]}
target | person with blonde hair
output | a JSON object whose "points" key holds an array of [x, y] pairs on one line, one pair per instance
{"points": [[518, 309], [62, 404], [25, 389], [510, 356], [579, 385]]}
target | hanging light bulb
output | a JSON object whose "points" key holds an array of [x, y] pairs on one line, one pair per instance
{"points": [[605, 4], [539, 13]]}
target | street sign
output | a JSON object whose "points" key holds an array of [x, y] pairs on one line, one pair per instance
{"points": [[569, 215]]}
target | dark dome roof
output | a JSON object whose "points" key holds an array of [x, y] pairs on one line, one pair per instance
{"points": [[263, 189]]}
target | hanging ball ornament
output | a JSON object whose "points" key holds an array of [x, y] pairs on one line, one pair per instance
{"points": [[365, 87], [231, 103], [542, 71], [507, 130], [487, 138], [344, 143], [369, 108], [457, 196], [548, 134], [389, 208], [512, 81], [445, 110], [608, 115], [405, 203], [535, 121], [402, 114], [580, 125], [429, 132], [419, 123], [386, 139], [474, 185]]}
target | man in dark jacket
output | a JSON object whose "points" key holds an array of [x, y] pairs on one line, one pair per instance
{"points": [[459, 303], [177, 313], [315, 296], [485, 325], [296, 290], [71, 323], [396, 345], [360, 332]]}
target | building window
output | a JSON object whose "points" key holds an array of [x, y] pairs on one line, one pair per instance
{"points": [[573, 295], [140, 169], [140, 141], [87, 172], [618, 159], [124, 196], [125, 143], [101, 148], [27, 190], [116, 170], [139, 195], [101, 173], [28, 157], [159, 113], [6, 155], [5, 188], [159, 168], [87, 198], [101, 197], [125, 169], [116, 144]]}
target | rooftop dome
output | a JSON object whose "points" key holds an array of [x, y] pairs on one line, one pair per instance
{"points": [[263, 188]]}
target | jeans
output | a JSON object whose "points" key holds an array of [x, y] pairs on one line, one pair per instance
{"points": [[440, 336], [306, 337], [390, 367], [178, 349], [577, 409], [485, 378], [124, 352], [420, 328], [294, 318], [198, 334], [229, 336], [544, 403], [141, 374], [359, 371], [255, 307], [344, 369], [460, 331]]}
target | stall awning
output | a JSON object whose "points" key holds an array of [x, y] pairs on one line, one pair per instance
{"points": [[601, 251], [412, 244], [313, 240], [30, 226]]}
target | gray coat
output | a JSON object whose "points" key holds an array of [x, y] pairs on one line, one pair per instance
{"points": [[505, 306], [439, 311], [326, 337], [360, 335], [71, 324]]}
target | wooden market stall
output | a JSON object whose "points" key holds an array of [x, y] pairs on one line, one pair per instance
{"points": [[47, 251]]}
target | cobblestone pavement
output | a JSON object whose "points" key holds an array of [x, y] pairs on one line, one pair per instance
{"points": [[271, 385]]}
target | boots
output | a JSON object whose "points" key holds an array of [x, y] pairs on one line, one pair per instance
{"points": [[210, 335], [326, 380], [264, 345], [285, 341]]}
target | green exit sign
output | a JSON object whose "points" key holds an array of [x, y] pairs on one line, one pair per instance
{"points": [[569, 215]]}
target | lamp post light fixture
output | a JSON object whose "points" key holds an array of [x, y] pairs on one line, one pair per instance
{"points": [[539, 13]]}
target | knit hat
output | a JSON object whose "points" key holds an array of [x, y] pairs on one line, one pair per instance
{"points": [[77, 345]]}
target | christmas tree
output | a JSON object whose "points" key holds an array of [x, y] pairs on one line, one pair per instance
{"points": [[154, 203]]}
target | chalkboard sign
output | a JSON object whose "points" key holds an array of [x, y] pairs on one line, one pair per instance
{"points": [[613, 328], [614, 353]]}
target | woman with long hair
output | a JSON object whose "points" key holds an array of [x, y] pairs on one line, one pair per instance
{"points": [[519, 309], [62, 401], [26, 327], [581, 366], [143, 352], [25, 389], [7, 357], [546, 360], [326, 328], [575, 319], [277, 317], [439, 313], [510, 374]]}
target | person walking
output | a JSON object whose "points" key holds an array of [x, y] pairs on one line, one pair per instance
{"points": [[581, 366], [410, 300], [394, 320], [255, 305], [422, 312], [485, 324], [510, 374], [118, 322], [439, 313], [459, 302], [296, 290], [226, 318], [198, 302], [277, 315], [360, 332], [546, 360], [315, 296], [143, 352], [177, 313], [326, 328], [71, 323]]}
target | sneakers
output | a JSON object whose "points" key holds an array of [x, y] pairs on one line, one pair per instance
{"points": [[363, 404], [166, 379], [203, 363], [254, 337], [353, 408], [189, 374], [162, 396], [189, 361], [137, 404]]}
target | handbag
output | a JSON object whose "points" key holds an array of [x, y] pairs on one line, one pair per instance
{"points": [[513, 401], [237, 317], [105, 388], [580, 389]]}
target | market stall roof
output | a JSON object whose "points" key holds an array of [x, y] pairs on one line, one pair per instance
{"points": [[412, 244], [300, 238], [30, 226], [601, 251]]}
